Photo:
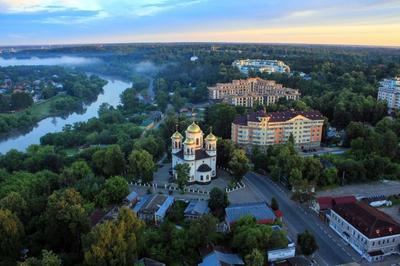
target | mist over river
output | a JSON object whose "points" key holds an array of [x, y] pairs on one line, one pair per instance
{"points": [[110, 95]]}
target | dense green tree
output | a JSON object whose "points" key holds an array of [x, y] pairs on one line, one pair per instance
{"points": [[11, 234], [202, 232], [255, 258], [307, 243], [328, 177], [48, 258], [141, 166], [109, 161], [151, 143], [182, 175], [239, 164], [21, 100], [113, 242], [66, 220], [222, 128], [77, 171], [115, 190], [274, 204], [13, 160], [225, 148], [129, 100], [15, 203], [218, 201], [249, 235], [312, 168]]}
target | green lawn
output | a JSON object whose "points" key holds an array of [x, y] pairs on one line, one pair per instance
{"points": [[43, 109]]}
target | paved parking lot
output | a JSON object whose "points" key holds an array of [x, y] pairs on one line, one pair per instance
{"points": [[392, 212], [386, 188]]}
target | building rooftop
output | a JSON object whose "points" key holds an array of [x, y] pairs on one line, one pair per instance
{"points": [[197, 207], [368, 220], [329, 202], [217, 258], [258, 210], [157, 204], [133, 195], [277, 116], [199, 154]]}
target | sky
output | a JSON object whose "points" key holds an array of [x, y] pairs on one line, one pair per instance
{"points": [[354, 22]]}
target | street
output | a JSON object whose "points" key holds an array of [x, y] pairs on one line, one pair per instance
{"points": [[332, 249]]}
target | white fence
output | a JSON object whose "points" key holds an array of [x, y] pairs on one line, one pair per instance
{"points": [[170, 187], [238, 186]]}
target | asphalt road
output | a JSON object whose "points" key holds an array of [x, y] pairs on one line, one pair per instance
{"points": [[332, 249]]}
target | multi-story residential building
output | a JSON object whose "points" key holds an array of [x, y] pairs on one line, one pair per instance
{"points": [[372, 233], [262, 66], [263, 129], [389, 91], [247, 92]]}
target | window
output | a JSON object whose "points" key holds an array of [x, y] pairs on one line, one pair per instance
{"points": [[197, 142]]}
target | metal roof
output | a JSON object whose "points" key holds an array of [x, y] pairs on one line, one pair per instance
{"points": [[258, 210], [141, 203], [165, 206], [133, 195], [197, 207], [217, 258]]}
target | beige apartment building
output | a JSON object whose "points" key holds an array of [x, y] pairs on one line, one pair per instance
{"points": [[248, 92], [263, 129]]}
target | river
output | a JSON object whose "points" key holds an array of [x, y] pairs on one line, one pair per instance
{"points": [[110, 95]]}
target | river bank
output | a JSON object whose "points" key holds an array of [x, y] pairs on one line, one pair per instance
{"points": [[55, 123]]}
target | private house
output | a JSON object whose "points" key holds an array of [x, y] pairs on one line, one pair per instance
{"points": [[153, 208], [259, 210], [217, 258], [372, 233], [196, 209]]}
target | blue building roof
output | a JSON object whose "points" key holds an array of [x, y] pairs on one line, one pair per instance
{"points": [[197, 207], [258, 210], [165, 206], [141, 203], [217, 258], [133, 195]]}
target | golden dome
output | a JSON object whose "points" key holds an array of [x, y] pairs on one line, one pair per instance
{"points": [[211, 137], [189, 141], [193, 128], [177, 135]]}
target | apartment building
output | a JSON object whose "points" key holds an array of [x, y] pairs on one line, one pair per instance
{"points": [[248, 92], [372, 233], [389, 91], [263, 129], [262, 66]]}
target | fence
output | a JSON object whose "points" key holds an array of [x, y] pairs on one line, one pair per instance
{"points": [[238, 186], [170, 187]]}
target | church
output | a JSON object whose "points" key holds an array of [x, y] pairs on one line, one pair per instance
{"points": [[198, 152]]}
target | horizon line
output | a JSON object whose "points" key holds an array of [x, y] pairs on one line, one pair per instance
{"points": [[204, 42]]}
